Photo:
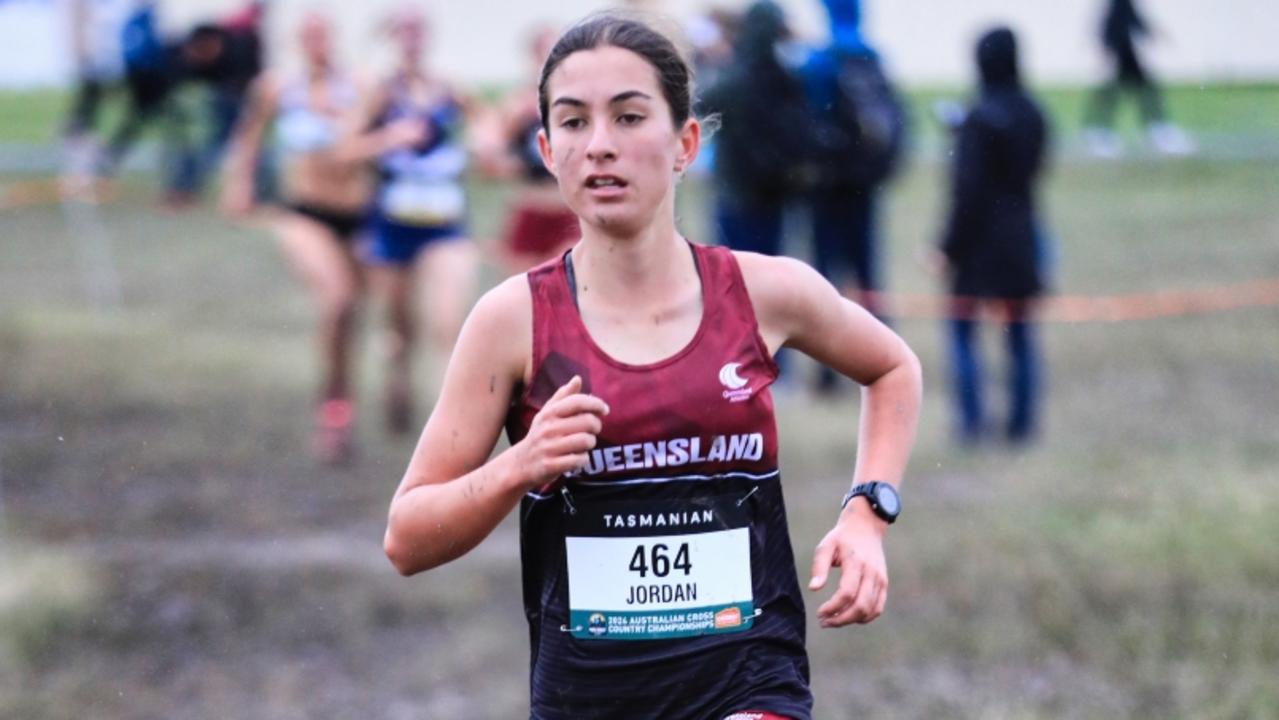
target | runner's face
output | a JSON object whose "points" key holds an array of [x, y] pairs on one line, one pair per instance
{"points": [[410, 34], [315, 40], [611, 143]]}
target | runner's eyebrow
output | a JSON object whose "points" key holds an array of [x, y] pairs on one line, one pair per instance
{"points": [[629, 94], [618, 98]]}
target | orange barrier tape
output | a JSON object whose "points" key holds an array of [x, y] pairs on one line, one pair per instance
{"points": [[1092, 309], [911, 306], [51, 191]]}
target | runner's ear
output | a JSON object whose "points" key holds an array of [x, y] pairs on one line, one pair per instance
{"points": [[544, 149], [690, 139]]}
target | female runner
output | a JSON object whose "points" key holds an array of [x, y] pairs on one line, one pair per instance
{"points": [[326, 190], [418, 220], [632, 376], [539, 225]]}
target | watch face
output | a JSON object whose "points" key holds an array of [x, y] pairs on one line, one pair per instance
{"points": [[887, 499]]}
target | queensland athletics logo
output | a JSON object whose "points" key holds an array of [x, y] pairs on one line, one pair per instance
{"points": [[737, 388]]}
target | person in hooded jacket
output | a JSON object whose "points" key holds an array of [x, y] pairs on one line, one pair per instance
{"points": [[760, 145], [990, 244]]}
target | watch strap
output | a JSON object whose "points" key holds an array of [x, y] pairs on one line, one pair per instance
{"points": [[868, 489]]}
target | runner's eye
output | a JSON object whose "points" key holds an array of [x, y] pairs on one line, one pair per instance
{"points": [[630, 118], [572, 123]]}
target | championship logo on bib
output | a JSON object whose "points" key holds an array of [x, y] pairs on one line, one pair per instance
{"points": [[659, 569]]}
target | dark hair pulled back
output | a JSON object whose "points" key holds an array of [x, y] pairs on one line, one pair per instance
{"points": [[615, 30]]}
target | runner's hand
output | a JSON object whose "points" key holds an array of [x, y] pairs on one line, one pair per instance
{"points": [[405, 133], [562, 434], [856, 547]]}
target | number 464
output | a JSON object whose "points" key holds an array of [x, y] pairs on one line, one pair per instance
{"points": [[658, 560]]}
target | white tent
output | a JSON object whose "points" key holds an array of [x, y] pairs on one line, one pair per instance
{"points": [[34, 48], [924, 41]]}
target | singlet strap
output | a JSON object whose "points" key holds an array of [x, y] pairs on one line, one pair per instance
{"points": [[572, 276]]}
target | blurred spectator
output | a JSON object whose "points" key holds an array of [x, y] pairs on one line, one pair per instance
{"points": [[153, 69], [711, 36], [1121, 28], [989, 243], [761, 146], [860, 128], [226, 56], [96, 29]]}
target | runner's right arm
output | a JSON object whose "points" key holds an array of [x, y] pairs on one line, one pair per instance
{"points": [[450, 498], [242, 153]]}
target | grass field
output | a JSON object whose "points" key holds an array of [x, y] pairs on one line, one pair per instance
{"points": [[34, 116], [169, 550]]}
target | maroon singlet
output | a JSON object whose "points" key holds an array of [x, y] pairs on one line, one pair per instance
{"points": [[659, 580]]}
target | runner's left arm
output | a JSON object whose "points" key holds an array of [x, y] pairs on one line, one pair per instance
{"points": [[796, 307]]}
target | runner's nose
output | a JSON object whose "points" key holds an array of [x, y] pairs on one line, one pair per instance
{"points": [[601, 146]]}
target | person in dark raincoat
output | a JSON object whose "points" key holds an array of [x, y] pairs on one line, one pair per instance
{"points": [[762, 143], [990, 244]]}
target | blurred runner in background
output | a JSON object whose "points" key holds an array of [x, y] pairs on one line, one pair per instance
{"points": [[326, 188], [539, 225], [418, 221]]}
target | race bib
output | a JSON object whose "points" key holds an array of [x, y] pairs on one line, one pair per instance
{"points": [[659, 569], [429, 203]]}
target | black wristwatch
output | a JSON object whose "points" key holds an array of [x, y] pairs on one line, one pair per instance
{"points": [[883, 498]]}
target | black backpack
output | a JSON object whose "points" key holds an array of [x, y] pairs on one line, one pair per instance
{"points": [[860, 137]]}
